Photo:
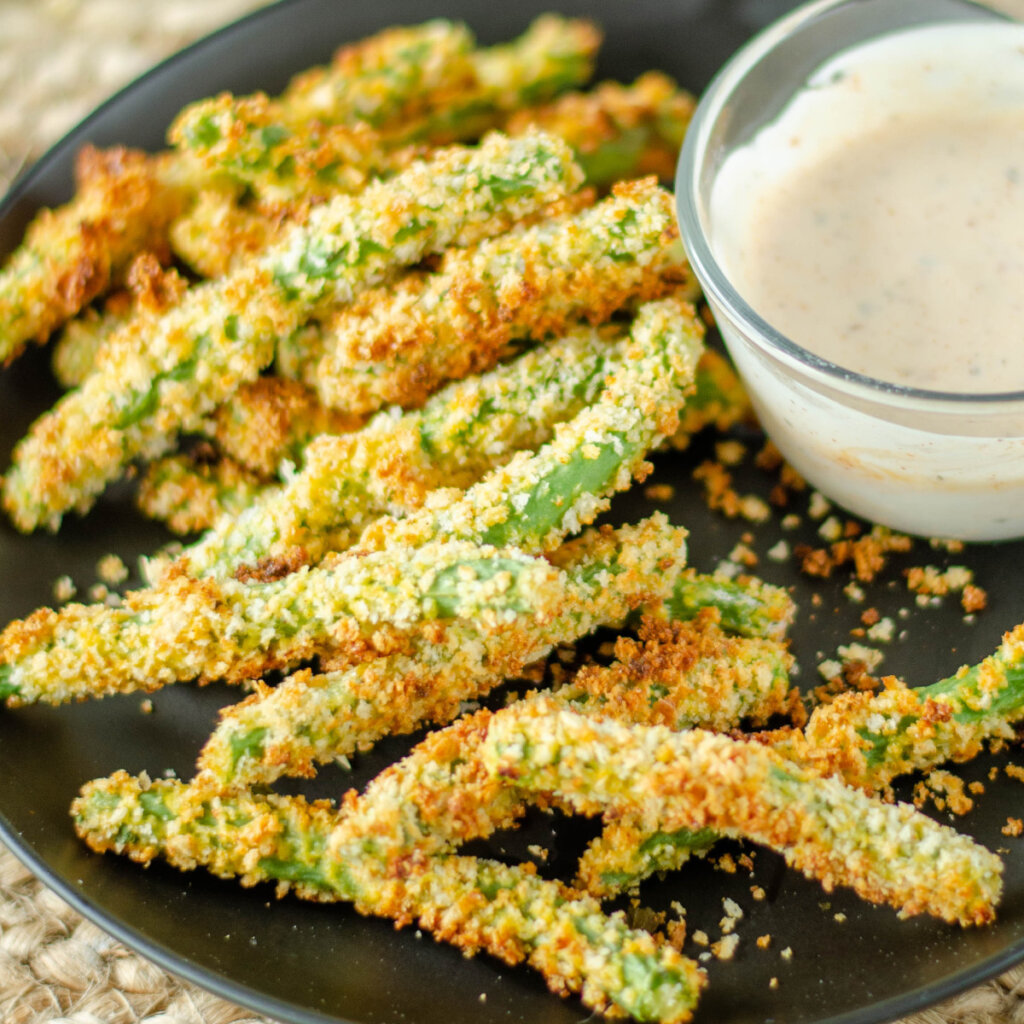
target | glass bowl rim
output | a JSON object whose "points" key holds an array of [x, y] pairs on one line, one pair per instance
{"points": [[716, 284]]}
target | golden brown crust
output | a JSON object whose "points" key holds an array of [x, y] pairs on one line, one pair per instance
{"points": [[271, 420]]}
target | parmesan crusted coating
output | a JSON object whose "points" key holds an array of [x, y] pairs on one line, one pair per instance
{"points": [[463, 431], [396, 345], [162, 378], [475, 904], [537, 499], [152, 290], [271, 421], [72, 254], [868, 739], [189, 494], [687, 674], [617, 131], [346, 607], [334, 128], [888, 853], [309, 719], [218, 231]]}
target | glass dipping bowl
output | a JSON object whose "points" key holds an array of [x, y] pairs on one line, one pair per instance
{"points": [[932, 463]]}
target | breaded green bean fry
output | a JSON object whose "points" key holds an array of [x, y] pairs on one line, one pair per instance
{"points": [[719, 401], [747, 605], [617, 131], [475, 904], [152, 289], [223, 332], [686, 679], [271, 421], [397, 345], [391, 464], [73, 355], [686, 675], [219, 230], [71, 254], [190, 494], [441, 795], [888, 853], [386, 78], [432, 90], [868, 739], [538, 498], [309, 719], [553, 54], [628, 850], [189, 629]]}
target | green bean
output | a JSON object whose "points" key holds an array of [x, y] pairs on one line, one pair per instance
{"points": [[747, 605], [617, 131], [187, 629], [868, 739], [537, 499], [473, 903], [888, 853], [719, 401], [308, 719], [691, 673], [157, 382], [71, 254], [422, 85], [552, 55], [390, 465], [397, 345]]}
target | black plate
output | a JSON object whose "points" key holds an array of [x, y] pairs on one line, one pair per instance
{"points": [[308, 963]]}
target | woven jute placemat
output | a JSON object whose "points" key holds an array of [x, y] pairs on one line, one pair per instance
{"points": [[58, 60]]}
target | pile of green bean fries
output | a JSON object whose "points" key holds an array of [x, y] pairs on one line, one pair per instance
{"points": [[383, 348]]}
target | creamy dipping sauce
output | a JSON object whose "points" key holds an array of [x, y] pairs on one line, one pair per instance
{"points": [[879, 221]]}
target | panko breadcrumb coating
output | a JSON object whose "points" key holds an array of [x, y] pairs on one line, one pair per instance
{"points": [[123, 204], [311, 719], [868, 739], [271, 421], [617, 131], [218, 232], [537, 499], [189, 493], [687, 674], [414, 562], [152, 289], [332, 129]]}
